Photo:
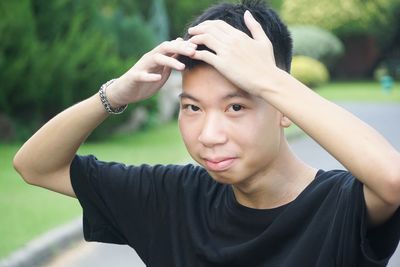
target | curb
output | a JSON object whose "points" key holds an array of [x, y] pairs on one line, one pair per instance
{"points": [[40, 250]]}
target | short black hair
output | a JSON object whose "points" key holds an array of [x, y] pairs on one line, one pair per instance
{"points": [[232, 14]]}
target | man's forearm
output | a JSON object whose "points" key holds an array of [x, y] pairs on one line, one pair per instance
{"points": [[54, 145], [360, 148]]}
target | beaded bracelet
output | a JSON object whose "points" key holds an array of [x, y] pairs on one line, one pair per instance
{"points": [[106, 103]]}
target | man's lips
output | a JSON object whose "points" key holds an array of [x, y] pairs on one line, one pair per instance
{"points": [[219, 164]]}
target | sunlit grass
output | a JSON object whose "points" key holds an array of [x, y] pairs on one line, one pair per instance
{"points": [[361, 91]]}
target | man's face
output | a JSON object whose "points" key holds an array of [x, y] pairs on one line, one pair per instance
{"points": [[233, 135]]}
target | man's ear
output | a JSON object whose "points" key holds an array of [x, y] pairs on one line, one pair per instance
{"points": [[285, 121]]}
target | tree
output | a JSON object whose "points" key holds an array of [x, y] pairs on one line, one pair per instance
{"points": [[346, 17]]}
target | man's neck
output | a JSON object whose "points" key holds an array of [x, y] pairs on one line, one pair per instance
{"points": [[279, 184]]}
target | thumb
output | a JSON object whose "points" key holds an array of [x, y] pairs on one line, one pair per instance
{"points": [[254, 27]]}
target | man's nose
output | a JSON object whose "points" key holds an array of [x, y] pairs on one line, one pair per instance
{"points": [[213, 131]]}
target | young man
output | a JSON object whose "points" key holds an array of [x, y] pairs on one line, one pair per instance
{"points": [[251, 202]]}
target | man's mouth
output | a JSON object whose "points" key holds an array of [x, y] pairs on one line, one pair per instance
{"points": [[219, 164]]}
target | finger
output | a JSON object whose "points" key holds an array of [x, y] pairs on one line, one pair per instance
{"points": [[206, 56], [147, 77], [254, 27], [217, 27], [168, 61], [211, 27], [176, 47], [208, 40]]}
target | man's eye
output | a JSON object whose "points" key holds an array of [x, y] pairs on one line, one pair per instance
{"points": [[191, 107], [236, 107], [194, 108]]}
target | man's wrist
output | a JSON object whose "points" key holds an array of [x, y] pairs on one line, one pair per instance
{"points": [[108, 103], [273, 84]]}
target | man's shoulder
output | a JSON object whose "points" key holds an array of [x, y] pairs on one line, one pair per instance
{"points": [[332, 182], [335, 176]]}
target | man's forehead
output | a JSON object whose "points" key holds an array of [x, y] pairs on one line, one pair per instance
{"points": [[207, 80]]}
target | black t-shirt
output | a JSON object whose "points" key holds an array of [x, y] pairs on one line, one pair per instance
{"points": [[179, 216]]}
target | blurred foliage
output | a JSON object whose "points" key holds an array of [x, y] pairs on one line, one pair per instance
{"points": [[159, 20], [345, 17], [309, 71], [276, 4], [56, 53], [133, 36], [315, 42], [178, 13], [181, 12]]}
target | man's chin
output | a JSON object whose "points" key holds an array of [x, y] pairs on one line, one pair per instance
{"points": [[222, 178]]}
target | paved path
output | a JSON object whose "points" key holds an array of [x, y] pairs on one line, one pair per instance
{"points": [[385, 118]]}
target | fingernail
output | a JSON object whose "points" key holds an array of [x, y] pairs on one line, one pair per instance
{"points": [[192, 45], [248, 13], [189, 49]]}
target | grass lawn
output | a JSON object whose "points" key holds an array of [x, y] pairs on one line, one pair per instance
{"points": [[361, 91], [28, 211]]}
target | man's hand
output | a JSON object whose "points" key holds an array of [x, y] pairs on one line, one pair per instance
{"points": [[247, 62], [150, 73]]}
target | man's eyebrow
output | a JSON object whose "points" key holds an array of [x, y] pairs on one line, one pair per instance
{"points": [[186, 95], [237, 94]]}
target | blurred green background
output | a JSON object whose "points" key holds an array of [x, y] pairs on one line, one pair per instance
{"points": [[56, 53]]}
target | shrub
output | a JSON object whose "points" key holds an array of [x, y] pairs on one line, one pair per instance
{"points": [[132, 34], [315, 42], [309, 71]]}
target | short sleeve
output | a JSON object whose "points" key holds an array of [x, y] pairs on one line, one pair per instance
{"points": [[376, 245], [121, 202]]}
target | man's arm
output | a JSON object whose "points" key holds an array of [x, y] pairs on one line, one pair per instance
{"points": [[45, 159], [249, 63], [359, 147]]}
